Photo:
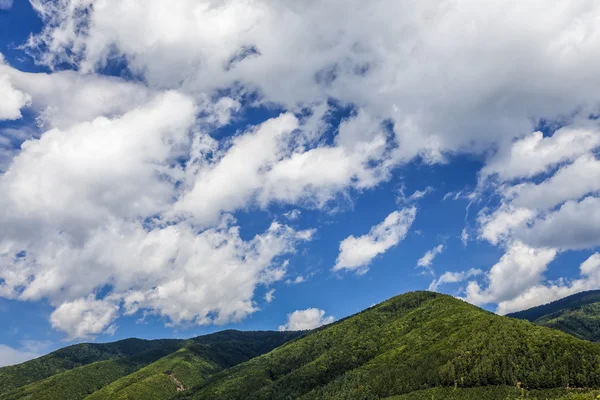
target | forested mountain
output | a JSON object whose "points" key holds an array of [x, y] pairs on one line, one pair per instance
{"points": [[76, 356], [419, 345], [578, 315], [71, 373], [411, 343]]}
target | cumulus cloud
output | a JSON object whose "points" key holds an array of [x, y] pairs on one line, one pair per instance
{"points": [[574, 226], [310, 318], [427, 259], [85, 317], [548, 189], [356, 253], [88, 205], [65, 98], [11, 356], [384, 57], [453, 277], [135, 168], [534, 154], [519, 269], [12, 99], [541, 294]]}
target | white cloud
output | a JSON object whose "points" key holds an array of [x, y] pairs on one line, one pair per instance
{"points": [[270, 296], [310, 318], [133, 168], [356, 253], [464, 236], [429, 256], [497, 226], [417, 195], [11, 356], [453, 277], [576, 225], [296, 281], [12, 99], [542, 294], [570, 182], [85, 317], [90, 205], [66, 98], [384, 57], [535, 153], [6, 4], [293, 215], [519, 268]]}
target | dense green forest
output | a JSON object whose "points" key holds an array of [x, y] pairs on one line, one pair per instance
{"points": [[412, 342], [194, 360], [573, 301], [191, 365], [577, 315], [419, 345], [76, 356]]}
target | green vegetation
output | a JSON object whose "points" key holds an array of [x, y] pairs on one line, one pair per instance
{"points": [[577, 315], [191, 365], [412, 342], [81, 381], [152, 374], [497, 393], [573, 301], [75, 356], [417, 346]]}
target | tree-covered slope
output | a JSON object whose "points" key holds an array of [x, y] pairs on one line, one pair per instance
{"points": [[498, 392], [81, 381], [192, 365], [15, 376], [409, 343], [577, 315], [155, 373], [573, 301]]}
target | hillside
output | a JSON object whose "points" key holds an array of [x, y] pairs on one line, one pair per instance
{"points": [[577, 315], [409, 343], [65, 359], [187, 362], [419, 345], [192, 365]]}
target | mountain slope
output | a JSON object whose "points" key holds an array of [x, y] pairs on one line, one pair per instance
{"points": [[81, 381], [577, 315], [65, 359], [411, 342], [153, 374], [192, 364]]}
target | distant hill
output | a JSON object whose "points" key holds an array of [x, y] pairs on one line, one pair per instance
{"points": [[71, 373], [75, 356], [577, 315], [417, 346], [192, 365], [407, 345]]}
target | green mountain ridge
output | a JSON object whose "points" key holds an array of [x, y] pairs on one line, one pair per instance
{"points": [[577, 315], [198, 357], [419, 345], [74, 356], [412, 342]]}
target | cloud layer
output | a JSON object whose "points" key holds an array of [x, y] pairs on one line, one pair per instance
{"points": [[119, 198]]}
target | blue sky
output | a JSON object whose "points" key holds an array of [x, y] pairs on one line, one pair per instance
{"points": [[153, 188]]}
